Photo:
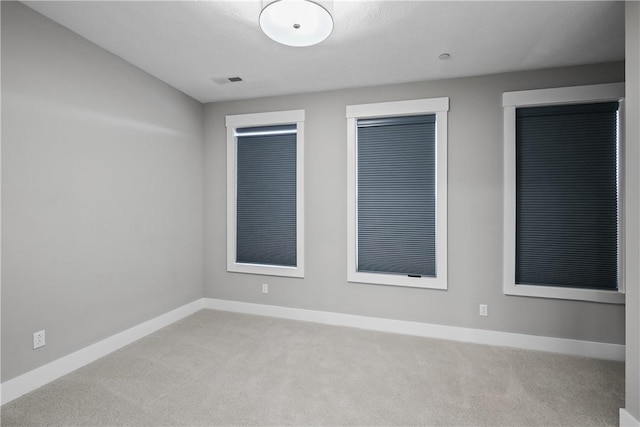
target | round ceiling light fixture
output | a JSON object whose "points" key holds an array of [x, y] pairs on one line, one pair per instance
{"points": [[296, 23]]}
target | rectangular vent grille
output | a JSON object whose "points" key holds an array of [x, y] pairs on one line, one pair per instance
{"points": [[226, 80]]}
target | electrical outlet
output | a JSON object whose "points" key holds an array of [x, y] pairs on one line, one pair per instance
{"points": [[38, 339], [265, 288], [484, 310]]}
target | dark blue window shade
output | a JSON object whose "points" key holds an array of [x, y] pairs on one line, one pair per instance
{"points": [[396, 195], [567, 196], [266, 195]]}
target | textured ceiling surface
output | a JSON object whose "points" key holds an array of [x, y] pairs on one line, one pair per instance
{"points": [[192, 44]]}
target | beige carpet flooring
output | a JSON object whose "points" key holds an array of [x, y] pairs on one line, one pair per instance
{"points": [[217, 368]]}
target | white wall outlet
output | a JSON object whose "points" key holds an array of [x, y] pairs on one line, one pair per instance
{"points": [[38, 339], [484, 310], [265, 288]]}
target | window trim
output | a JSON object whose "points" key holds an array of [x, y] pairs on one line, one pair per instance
{"points": [[439, 107], [265, 119], [544, 97]]}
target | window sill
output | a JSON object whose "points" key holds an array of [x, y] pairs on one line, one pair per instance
{"points": [[592, 295], [398, 280], [266, 270]]}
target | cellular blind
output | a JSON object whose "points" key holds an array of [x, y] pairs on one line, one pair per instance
{"points": [[266, 195], [567, 196], [396, 195]]}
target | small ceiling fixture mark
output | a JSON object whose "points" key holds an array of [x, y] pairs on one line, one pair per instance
{"points": [[234, 79], [444, 56], [296, 26]]}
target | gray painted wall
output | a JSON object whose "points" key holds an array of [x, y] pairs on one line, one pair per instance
{"points": [[632, 63], [475, 214], [102, 201]]}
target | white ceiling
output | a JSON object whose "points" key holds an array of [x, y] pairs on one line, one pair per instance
{"points": [[188, 43]]}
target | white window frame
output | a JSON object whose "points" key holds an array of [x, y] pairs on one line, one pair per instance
{"points": [[265, 119], [544, 97], [439, 107]]}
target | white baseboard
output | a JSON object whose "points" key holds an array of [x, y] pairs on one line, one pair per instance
{"points": [[627, 420], [479, 336], [16, 387]]}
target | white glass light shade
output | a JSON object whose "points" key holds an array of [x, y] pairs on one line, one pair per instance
{"points": [[296, 22]]}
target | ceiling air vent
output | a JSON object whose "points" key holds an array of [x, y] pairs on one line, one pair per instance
{"points": [[226, 80]]}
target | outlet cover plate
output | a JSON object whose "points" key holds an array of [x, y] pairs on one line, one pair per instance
{"points": [[38, 339], [484, 310]]}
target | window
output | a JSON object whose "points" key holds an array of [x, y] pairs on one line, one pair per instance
{"points": [[397, 193], [562, 214], [265, 199]]}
